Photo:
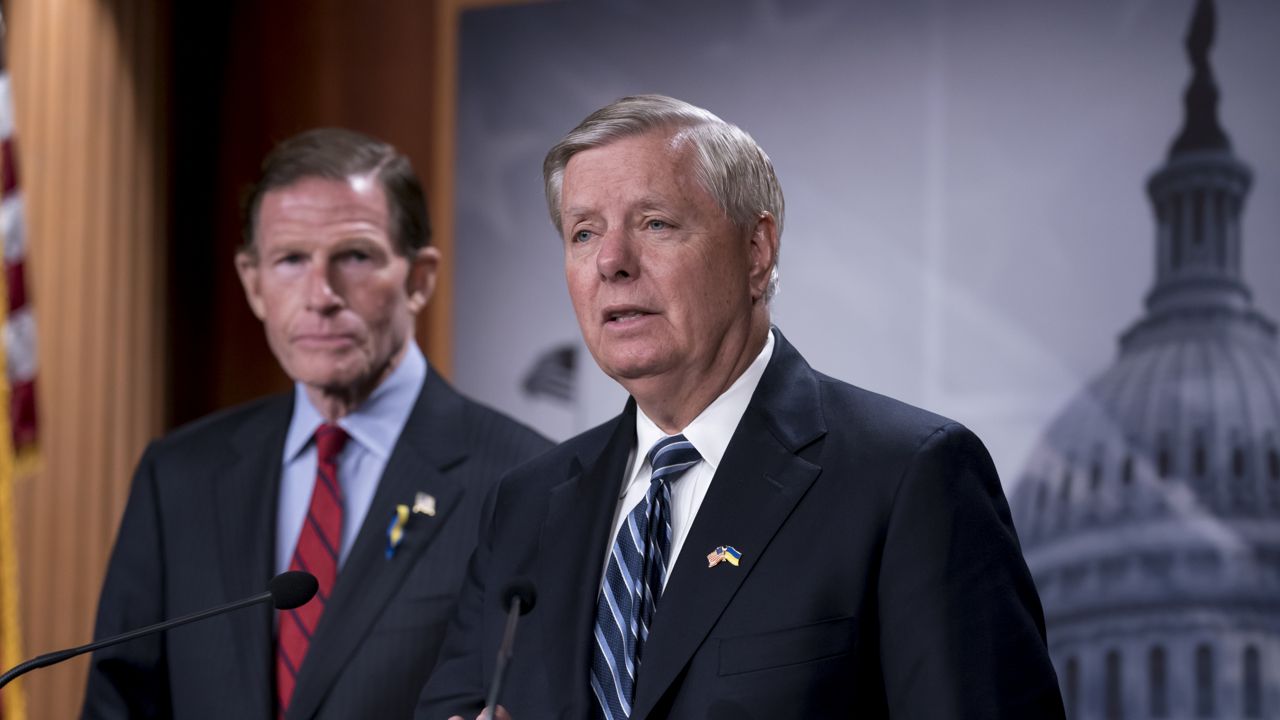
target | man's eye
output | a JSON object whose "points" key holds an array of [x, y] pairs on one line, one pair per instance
{"points": [[582, 236], [291, 259], [658, 225], [358, 256]]}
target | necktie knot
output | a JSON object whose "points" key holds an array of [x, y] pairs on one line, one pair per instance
{"points": [[670, 457], [330, 439]]}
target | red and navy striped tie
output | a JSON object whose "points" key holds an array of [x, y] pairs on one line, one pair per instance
{"points": [[316, 553], [633, 582]]}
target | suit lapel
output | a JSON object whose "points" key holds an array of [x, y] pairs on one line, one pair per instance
{"points": [[245, 497], [758, 483], [575, 535], [430, 444]]}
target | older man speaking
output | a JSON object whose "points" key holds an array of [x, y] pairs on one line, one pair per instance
{"points": [[749, 538]]}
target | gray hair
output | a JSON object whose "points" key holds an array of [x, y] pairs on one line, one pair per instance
{"points": [[338, 154], [732, 168]]}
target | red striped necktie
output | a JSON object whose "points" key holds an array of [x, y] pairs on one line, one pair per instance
{"points": [[316, 553]]}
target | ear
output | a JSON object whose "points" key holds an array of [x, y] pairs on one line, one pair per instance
{"points": [[250, 279], [423, 267], [763, 254]]}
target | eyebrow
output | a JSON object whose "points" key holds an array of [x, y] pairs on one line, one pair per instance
{"points": [[574, 212], [644, 204]]}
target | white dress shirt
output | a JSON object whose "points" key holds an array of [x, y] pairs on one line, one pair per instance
{"points": [[709, 433], [372, 429]]}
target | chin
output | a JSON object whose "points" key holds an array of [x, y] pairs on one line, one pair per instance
{"points": [[331, 378], [629, 369]]}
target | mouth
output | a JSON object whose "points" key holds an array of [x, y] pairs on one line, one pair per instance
{"points": [[323, 340], [622, 315]]}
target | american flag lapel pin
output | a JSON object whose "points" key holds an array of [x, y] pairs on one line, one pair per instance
{"points": [[424, 504]]}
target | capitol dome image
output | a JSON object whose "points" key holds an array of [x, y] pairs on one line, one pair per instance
{"points": [[1149, 513]]}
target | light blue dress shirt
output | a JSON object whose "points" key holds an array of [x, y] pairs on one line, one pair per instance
{"points": [[374, 428]]}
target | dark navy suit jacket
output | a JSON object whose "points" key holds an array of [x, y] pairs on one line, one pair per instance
{"points": [[880, 574], [199, 530]]}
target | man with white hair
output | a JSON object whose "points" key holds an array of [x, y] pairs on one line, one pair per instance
{"points": [[749, 538]]}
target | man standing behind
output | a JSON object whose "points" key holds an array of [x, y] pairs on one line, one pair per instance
{"points": [[750, 538], [370, 475]]}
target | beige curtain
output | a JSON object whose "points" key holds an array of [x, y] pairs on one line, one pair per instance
{"points": [[88, 87]]}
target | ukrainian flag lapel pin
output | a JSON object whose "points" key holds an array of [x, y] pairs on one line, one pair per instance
{"points": [[395, 531], [724, 553]]}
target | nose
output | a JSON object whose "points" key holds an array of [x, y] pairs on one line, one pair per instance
{"points": [[321, 295], [616, 258]]}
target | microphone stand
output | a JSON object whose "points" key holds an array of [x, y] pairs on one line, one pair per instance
{"points": [[514, 612], [60, 655]]}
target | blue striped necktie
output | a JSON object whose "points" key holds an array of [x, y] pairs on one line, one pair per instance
{"points": [[633, 582]]}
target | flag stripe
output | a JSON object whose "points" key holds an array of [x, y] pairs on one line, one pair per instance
{"points": [[9, 175], [16, 284]]}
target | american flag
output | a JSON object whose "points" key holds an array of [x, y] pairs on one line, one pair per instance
{"points": [[552, 374], [18, 382], [19, 323]]}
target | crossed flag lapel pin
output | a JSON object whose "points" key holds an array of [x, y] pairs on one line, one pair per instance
{"points": [[423, 504], [724, 553]]}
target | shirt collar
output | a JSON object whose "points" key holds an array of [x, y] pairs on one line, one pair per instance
{"points": [[377, 422], [713, 428]]}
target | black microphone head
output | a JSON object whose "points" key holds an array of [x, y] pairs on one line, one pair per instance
{"points": [[292, 589], [523, 589]]}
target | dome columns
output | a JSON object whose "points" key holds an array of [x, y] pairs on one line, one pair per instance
{"points": [[1198, 198]]}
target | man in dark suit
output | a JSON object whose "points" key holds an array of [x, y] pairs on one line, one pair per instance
{"points": [[833, 552], [370, 475]]}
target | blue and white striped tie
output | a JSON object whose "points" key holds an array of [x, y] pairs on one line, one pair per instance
{"points": [[633, 582]]}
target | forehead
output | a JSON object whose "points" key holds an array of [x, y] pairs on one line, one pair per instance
{"points": [[313, 202], [656, 163]]}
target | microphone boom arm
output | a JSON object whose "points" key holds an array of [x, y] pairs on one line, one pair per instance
{"points": [[60, 655]]}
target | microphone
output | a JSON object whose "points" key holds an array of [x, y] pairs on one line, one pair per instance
{"points": [[292, 589], [286, 591], [518, 598]]}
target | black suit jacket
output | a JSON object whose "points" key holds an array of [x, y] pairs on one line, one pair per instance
{"points": [[880, 574], [199, 530]]}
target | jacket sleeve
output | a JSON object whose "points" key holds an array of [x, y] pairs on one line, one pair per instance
{"points": [[962, 631], [131, 680]]}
